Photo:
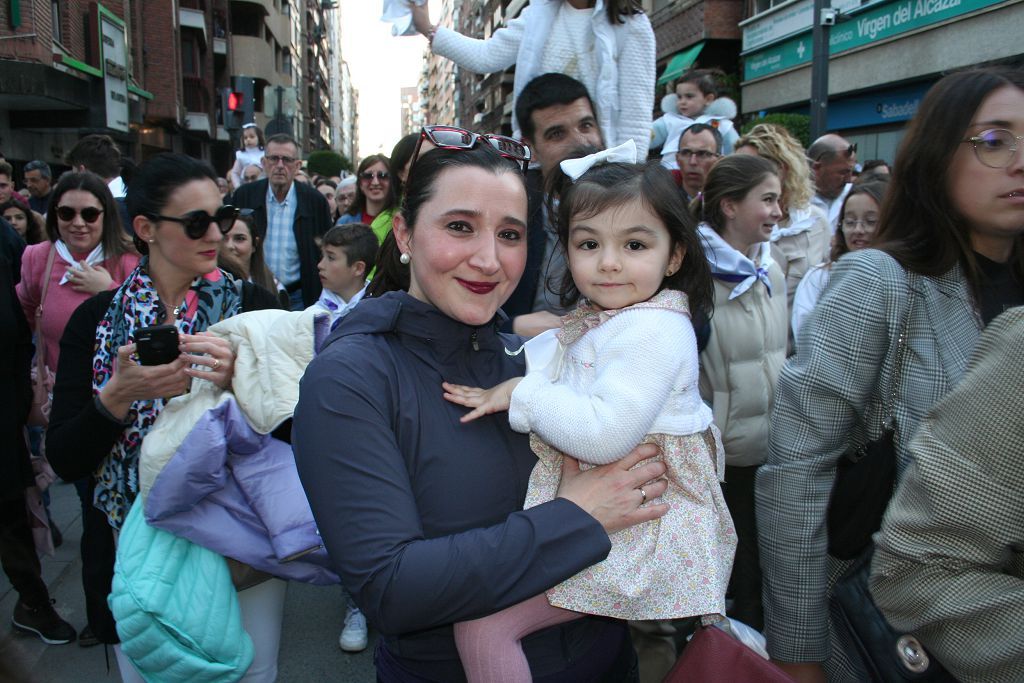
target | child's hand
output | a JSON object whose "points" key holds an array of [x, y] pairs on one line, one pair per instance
{"points": [[483, 401]]}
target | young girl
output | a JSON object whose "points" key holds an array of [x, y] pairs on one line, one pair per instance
{"points": [[251, 152], [741, 363], [608, 45], [622, 370], [858, 221], [697, 99]]}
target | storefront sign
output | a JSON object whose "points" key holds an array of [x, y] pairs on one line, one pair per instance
{"points": [[114, 64], [856, 30], [784, 21]]}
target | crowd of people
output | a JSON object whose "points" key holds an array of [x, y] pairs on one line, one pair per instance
{"points": [[544, 405]]}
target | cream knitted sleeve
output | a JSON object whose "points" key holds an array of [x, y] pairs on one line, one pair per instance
{"points": [[481, 56], [636, 85], [640, 354]]}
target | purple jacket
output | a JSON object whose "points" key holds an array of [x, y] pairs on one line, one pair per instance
{"points": [[236, 491]]}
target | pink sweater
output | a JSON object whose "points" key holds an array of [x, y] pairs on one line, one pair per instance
{"points": [[61, 300]]}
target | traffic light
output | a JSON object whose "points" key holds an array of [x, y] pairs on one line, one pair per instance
{"points": [[235, 100]]}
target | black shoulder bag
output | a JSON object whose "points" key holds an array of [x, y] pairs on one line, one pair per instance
{"points": [[865, 480], [865, 476]]}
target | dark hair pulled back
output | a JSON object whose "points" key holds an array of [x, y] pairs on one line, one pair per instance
{"points": [[157, 179]]}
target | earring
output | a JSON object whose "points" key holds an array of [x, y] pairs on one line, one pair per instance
{"points": [[669, 272], [405, 258], [152, 241]]}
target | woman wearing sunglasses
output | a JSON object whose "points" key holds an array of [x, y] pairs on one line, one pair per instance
{"points": [[947, 258], [422, 515], [374, 192], [105, 402]]}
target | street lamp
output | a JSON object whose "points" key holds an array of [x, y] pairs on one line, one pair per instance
{"points": [[825, 18]]}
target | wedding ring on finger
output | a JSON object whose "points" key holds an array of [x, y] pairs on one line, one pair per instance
{"points": [[643, 495], [216, 364]]}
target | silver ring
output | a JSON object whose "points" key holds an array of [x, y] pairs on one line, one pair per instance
{"points": [[643, 495], [216, 364]]}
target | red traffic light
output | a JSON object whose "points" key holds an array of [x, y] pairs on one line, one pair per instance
{"points": [[235, 101]]}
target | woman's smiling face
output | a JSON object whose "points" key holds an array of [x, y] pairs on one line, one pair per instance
{"points": [[468, 247]]}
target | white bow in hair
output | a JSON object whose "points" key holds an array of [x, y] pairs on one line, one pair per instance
{"points": [[625, 153]]}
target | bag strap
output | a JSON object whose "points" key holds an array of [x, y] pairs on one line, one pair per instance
{"points": [[40, 365], [897, 370]]}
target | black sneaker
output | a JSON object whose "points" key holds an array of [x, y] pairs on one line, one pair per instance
{"points": [[86, 638], [44, 622]]}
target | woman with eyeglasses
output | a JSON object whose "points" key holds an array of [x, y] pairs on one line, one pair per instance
{"points": [[421, 514], [858, 221], [105, 401], [948, 256], [374, 192], [801, 238]]}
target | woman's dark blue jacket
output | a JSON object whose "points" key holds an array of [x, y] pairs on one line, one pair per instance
{"points": [[421, 514]]}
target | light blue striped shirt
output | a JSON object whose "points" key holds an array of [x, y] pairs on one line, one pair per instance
{"points": [[280, 248]]}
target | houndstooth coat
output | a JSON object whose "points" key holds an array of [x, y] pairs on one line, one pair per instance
{"points": [[831, 396], [949, 562]]}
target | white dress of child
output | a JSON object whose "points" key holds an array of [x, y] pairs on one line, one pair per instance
{"points": [[606, 382]]}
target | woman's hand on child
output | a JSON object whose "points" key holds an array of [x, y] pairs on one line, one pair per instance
{"points": [[483, 401], [613, 494]]}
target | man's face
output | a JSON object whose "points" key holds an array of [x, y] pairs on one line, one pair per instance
{"points": [[559, 129], [251, 173], [697, 154], [281, 162], [830, 177], [37, 185], [6, 187]]}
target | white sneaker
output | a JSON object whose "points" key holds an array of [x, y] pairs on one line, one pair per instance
{"points": [[353, 636]]}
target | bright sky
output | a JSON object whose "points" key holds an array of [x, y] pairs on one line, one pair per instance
{"points": [[381, 65]]}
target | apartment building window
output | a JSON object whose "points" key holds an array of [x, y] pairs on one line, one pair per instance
{"points": [[55, 19], [286, 63], [189, 56], [658, 5]]}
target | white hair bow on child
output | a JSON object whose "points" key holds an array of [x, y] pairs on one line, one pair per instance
{"points": [[624, 153]]}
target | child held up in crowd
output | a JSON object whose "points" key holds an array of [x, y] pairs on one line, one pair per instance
{"points": [[622, 370], [349, 252], [249, 154], [698, 99]]}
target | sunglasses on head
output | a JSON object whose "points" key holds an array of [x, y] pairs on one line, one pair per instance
{"points": [[89, 214], [450, 137], [196, 223], [368, 176]]}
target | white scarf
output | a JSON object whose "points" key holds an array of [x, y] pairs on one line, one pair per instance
{"points": [[800, 220], [730, 265], [335, 306], [94, 258]]}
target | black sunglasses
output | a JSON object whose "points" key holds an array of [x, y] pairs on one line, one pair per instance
{"points": [[89, 214], [450, 137], [368, 176], [196, 223]]}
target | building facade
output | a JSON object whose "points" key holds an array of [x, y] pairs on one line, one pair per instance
{"points": [[440, 81], [154, 74], [883, 57]]}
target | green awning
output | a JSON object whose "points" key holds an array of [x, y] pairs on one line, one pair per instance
{"points": [[679, 64]]}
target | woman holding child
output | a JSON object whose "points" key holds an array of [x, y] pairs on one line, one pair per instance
{"points": [[421, 513]]}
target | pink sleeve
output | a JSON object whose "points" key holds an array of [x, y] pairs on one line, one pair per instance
{"points": [[30, 286]]}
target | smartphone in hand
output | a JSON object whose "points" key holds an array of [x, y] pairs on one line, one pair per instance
{"points": [[157, 345]]}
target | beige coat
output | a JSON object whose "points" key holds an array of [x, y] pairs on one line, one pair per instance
{"points": [[741, 363], [798, 253]]}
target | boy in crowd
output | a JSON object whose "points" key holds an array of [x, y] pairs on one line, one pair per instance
{"points": [[348, 254]]}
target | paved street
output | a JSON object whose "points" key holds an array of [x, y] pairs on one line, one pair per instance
{"points": [[309, 644]]}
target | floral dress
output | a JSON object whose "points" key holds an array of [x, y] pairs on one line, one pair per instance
{"points": [[672, 567]]}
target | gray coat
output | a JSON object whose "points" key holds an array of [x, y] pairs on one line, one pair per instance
{"points": [[831, 396], [949, 562]]}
